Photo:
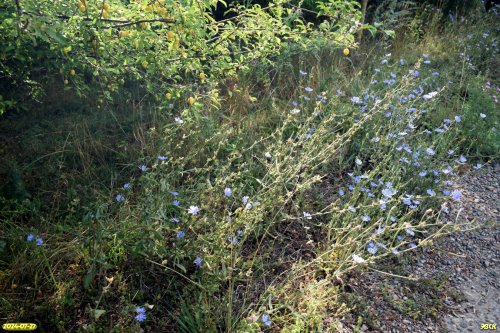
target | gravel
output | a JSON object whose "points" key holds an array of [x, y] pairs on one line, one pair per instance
{"points": [[477, 278], [465, 285]]}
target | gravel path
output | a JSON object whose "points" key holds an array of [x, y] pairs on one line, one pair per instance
{"points": [[457, 287], [477, 276]]}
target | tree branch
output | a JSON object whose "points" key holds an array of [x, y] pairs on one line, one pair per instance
{"points": [[18, 7], [119, 23], [124, 24]]}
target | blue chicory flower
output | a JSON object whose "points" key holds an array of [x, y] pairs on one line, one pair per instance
{"points": [[456, 195], [410, 232], [389, 192], [383, 204], [193, 210], [430, 95], [372, 248], [140, 317], [356, 100], [430, 151], [266, 319], [198, 262], [357, 259]]}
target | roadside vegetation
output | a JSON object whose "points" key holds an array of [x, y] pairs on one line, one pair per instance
{"points": [[219, 193]]}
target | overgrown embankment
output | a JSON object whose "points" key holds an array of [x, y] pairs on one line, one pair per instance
{"points": [[247, 217]]}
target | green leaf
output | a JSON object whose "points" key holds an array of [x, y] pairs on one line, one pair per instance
{"points": [[88, 279], [96, 313], [183, 269], [56, 36], [390, 33]]}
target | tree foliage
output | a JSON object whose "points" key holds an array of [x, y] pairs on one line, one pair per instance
{"points": [[96, 46]]}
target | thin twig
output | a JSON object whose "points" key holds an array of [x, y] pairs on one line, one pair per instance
{"points": [[173, 270], [393, 275], [170, 21], [120, 23]]}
